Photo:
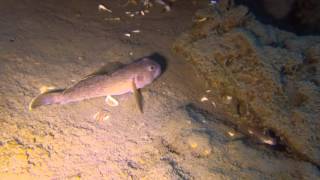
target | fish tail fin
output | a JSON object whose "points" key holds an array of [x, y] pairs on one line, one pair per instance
{"points": [[46, 98]]}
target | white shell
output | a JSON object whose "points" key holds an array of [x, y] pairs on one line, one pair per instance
{"points": [[111, 101]]}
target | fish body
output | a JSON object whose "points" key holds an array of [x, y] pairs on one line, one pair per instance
{"points": [[124, 80]]}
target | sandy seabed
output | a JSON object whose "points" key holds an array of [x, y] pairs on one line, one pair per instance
{"points": [[56, 43]]}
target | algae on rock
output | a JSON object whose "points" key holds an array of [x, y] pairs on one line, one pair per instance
{"points": [[272, 75]]}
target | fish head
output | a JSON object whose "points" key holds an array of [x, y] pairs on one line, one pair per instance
{"points": [[148, 70]]}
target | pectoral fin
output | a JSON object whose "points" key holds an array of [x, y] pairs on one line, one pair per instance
{"points": [[137, 96]]}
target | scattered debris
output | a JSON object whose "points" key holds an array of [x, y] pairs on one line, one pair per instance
{"points": [[133, 14], [227, 99], [231, 133], [136, 31], [103, 8], [203, 99], [95, 115], [127, 34], [165, 5], [213, 2], [201, 19], [112, 19], [214, 104], [261, 136], [106, 118], [102, 115], [111, 101], [44, 89]]}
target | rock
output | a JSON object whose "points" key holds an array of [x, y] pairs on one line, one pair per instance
{"points": [[186, 143], [272, 75]]}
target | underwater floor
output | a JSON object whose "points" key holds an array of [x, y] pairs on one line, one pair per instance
{"points": [[237, 99]]}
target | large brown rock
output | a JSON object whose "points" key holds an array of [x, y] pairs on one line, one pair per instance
{"points": [[271, 75]]}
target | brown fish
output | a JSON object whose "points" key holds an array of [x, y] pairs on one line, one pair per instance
{"points": [[128, 78]]}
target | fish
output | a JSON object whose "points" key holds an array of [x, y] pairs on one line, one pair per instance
{"points": [[124, 79]]}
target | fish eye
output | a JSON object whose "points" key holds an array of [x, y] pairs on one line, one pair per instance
{"points": [[151, 68]]}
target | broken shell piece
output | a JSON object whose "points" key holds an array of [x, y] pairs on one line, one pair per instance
{"points": [[212, 2], [227, 99], [127, 34], [96, 115], [231, 133], [112, 19], [102, 115], [264, 138], [136, 31], [142, 13], [207, 152], [44, 89], [193, 145], [208, 91], [167, 8], [213, 104], [269, 141], [203, 99], [201, 19], [111, 101], [103, 8], [106, 117]]}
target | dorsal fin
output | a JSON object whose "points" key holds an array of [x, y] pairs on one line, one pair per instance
{"points": [[106, 69]]}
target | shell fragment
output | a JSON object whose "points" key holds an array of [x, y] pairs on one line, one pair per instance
{"points": [[111, 101], [103, 8]]}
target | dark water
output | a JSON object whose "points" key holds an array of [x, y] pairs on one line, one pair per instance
{"points": [[302, 17]]}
